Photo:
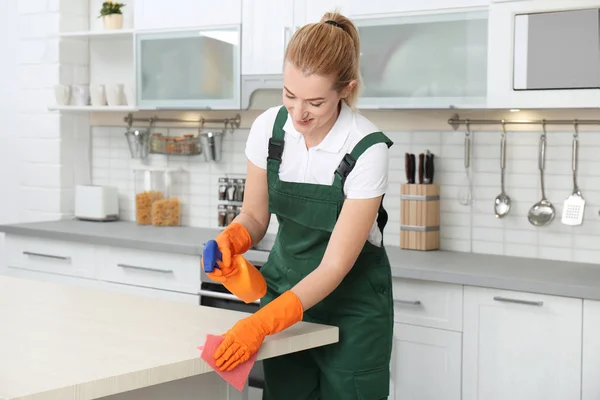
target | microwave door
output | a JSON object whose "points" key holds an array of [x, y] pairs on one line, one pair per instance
{"points": [[557, 50]]}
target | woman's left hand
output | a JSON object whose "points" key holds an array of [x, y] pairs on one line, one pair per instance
{"points": [[248, 334]]}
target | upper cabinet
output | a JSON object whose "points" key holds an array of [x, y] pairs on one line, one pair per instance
{"points": [[172, 14], [266, 29], [197, 68], [544, 54], [433, 60]]}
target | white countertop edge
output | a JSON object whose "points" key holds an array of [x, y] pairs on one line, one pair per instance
{"points": [[182, 369]]}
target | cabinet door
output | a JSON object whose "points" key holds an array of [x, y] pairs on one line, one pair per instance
{"points": [[591, 350], [508, 59], [382, 8], [426, 363], [424, 61], [160, 14], [521, 346], [266, 29], [189, 69]]}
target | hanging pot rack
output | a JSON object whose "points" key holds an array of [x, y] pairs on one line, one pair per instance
{"points": [[455, 122], [232, 122]]}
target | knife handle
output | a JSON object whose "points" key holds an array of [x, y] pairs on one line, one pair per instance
{"points": [[407, 167], [421, 167]]}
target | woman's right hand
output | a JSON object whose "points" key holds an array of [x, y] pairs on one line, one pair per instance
{"points": [[232, 241]]}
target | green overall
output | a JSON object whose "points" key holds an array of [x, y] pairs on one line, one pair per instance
{"points": [[357, 367]]}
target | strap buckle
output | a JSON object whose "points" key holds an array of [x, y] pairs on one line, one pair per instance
{"points": [[346, 166], [275, 149]]}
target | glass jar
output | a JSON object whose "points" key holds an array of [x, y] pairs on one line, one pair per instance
{"points": [[156, 143], [148, 189], [167, 210]]}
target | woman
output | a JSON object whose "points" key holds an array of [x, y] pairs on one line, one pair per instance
{"points": [[321, 168]]}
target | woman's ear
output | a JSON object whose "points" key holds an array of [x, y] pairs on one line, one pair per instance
{"points": [[349, 88]]}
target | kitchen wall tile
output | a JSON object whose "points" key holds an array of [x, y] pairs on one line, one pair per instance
{"points": [[467, 228]]}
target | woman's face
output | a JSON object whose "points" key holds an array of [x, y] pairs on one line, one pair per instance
{"points": [[310, 100]]}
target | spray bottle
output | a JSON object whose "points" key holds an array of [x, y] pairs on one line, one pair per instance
{"points": [[247, 283]]}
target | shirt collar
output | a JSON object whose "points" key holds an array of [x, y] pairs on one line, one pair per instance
{"points": [[335, 139]]}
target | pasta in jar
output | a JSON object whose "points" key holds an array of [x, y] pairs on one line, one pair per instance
{"points": [[166, 212], [143, 206]]}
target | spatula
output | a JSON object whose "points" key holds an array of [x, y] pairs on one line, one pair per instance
{"points": [[574, 205]]}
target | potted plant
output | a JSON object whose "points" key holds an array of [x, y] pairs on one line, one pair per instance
{"points": [[112, 14]]}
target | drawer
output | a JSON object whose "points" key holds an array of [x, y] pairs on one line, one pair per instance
{"points": [[50, 256], [430, 304], [149, 269]]}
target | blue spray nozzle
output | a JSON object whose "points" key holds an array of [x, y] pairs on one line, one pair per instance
{"points": [[211, 255]]}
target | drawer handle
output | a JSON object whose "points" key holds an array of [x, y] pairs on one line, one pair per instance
{"points": [[162, 271], [409, 302], [517, 301], [29, 253]]}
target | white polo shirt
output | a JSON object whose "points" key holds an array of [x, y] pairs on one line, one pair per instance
{"points": [[317, 165]]}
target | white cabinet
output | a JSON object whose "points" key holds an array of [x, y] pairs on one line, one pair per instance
{"points": [[358, 8], [267, 26], [426, 357], [591, 350], [197, 68], [509, 44], [49, 257], [521, 346], [173, 14], [166, 276], [426, 363]]}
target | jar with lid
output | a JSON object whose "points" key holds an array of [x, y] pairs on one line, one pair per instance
{"points": [[148, 189], [167, 211], [156, 143], [223, 185], [156, 198], [222, 215]]}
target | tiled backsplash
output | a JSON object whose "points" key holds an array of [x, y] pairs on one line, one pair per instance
{"points": [[463, 228]]}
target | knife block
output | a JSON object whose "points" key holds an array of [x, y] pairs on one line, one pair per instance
{"points": [[420, 217]]}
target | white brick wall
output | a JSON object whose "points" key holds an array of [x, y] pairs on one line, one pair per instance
{"points": [[463, 228], [53, 147]]}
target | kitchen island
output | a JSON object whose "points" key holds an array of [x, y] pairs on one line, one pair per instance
{"points": [[63, 342]]}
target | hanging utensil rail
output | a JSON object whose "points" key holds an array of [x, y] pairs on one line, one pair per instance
{"points": [[455, 122], [232, 122]]}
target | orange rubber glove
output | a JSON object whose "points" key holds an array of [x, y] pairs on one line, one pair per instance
{"points": [[232, 241], [248, 334]]}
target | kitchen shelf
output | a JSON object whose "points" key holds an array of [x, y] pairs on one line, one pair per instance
{"points": [[101, 34], [93, 108]]}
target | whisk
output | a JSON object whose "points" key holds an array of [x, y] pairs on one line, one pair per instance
{"points": [[465, 197]]}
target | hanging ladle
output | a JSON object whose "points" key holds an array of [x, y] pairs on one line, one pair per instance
{"points": [[542, 212], [502, 202]]}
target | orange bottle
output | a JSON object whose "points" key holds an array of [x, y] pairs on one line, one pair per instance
{"points": [[247, 283]]}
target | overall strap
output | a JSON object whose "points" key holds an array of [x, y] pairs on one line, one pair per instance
{"points": [[349, 161], [276, 141]]}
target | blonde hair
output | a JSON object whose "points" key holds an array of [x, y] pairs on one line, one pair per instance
{"points": [[330, 48]]}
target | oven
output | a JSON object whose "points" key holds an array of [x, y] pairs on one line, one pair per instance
{"points": [[214, 294]]}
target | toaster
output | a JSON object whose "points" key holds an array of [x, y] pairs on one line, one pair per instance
{"points": [[96, 203]]}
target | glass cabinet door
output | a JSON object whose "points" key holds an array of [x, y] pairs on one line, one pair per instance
{"points": [[424, 61], [189, 69]]}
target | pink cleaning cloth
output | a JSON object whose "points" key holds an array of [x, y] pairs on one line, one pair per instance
{"points": [[236, 377]]}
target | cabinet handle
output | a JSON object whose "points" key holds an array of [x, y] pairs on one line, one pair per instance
{"points": [[409, 302], [29, 253], [517, 301], [163, 271]]}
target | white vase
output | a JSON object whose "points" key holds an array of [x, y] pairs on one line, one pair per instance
{"points": [[113, 21]]}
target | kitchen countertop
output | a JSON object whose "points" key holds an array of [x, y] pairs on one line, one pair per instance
{"points": [[552, 277], [65, 342]]}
